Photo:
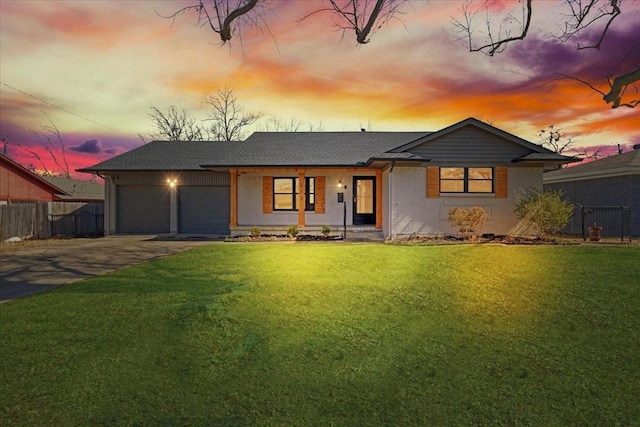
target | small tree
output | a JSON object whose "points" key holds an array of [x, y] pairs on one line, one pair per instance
{"points": [[468, 222], [545, 209]]}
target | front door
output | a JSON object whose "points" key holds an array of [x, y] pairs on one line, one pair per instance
{"points": [[364, 200]]}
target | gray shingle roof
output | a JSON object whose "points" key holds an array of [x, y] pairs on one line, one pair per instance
{"points": [[76, 189], [261, 149], [626, 162]]}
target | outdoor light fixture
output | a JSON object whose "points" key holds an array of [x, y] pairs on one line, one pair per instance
{"points": [[172, 182], [340, 185]]}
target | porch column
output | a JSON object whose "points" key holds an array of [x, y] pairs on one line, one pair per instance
{"points": [[379, 198], [233, 197], [301, 199]]}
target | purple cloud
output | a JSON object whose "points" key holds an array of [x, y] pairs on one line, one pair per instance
{"points": [[93, 146]]}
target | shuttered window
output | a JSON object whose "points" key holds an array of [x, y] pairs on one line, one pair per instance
{"points": [[282, 194], [467, 180]]}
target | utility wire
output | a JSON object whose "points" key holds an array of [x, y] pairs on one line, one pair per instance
{"points": [[60, 108]]}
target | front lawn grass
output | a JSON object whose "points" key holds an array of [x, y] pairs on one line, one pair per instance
{"points": [[333, 334]]}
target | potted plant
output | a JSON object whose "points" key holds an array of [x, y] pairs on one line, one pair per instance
{"points": [[595, 233]]}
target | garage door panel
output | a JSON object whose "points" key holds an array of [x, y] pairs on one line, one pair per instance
{"points": [[203, 209], [142, 209]]}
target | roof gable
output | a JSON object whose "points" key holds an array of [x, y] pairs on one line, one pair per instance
{"points": [[480, 126], [476, 143]]}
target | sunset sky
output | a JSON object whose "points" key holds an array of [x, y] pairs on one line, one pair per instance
{"points": [[94, 68]]}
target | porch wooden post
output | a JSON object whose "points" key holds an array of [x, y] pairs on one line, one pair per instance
{"points": [[301, 198], [233, 215], [378, 198]]}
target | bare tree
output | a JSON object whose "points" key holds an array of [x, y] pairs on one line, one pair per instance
{"points": [[294, 124], [50, 139], [228, 118], [5, 145], [554, 140], [175, 125], [581, 16], [224, 17]]}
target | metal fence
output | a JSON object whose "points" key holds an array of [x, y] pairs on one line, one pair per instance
{"points": [[614, 220], [77, 224]]}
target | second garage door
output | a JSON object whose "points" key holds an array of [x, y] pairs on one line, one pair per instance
{"points": [[203, 210]]}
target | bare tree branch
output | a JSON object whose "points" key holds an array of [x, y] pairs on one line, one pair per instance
{"points": [[294, 124], [360, 16], [175, 125], [223, 16], [554, 140], [493, 45], [582, 15], [619, 85], [586, 14], [51, 141], [228, 118], [5, 145]]}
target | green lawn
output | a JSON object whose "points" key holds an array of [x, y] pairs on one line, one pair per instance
{"points": [[287, 334]]}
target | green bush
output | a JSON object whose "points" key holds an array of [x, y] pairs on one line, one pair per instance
{"points": [[325, 230], [255, 232], [545, 209], [293, 231], [468, 222]]}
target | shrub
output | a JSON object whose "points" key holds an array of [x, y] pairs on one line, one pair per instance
{"points": [[468, 222], [325, 230], [255, 232], [293, 231], [545, 209]]}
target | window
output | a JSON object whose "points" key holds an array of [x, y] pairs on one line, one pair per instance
{"points": [[466, 180], [285, 194]]}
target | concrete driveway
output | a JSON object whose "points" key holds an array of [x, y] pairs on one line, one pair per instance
{"points": [[34, 269]]}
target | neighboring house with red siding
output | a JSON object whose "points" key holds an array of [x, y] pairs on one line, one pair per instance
{"points": [[18, 184], [385, 183]]}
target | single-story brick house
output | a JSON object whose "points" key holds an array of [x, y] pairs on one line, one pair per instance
{"points": [[389, 183], [610, 181]]}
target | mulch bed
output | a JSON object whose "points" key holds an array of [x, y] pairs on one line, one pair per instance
{"points": [[284, 238]]}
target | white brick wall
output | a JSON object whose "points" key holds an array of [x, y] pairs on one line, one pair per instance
{"points": [[413, 213]]}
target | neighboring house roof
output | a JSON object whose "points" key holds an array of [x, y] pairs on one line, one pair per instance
{"points": [[77, 190], [300, 149], [28, 177], [622, 164]]}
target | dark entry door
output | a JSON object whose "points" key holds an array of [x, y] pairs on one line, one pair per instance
{"points": [[364, 200]]}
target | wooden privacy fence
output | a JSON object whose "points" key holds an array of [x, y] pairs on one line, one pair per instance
{"points": [[42, 220]]}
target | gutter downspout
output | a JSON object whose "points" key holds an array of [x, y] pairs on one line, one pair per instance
{"points": [[390, 214]]}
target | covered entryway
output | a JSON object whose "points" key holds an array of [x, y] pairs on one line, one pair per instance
{"points": [[142, 209], [203, 210]]}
